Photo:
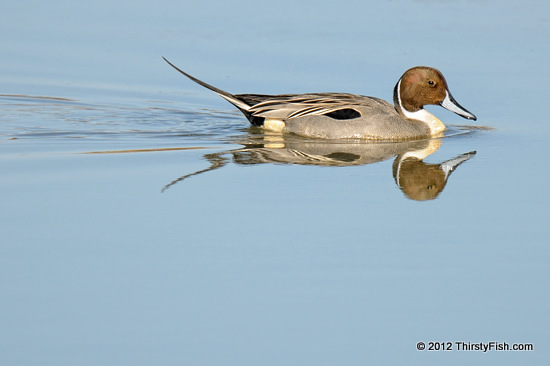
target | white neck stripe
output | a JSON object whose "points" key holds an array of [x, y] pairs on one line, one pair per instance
{"points": [[421, 115]]}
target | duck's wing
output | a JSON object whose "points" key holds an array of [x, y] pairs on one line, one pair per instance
{"points": [[289, 106]]}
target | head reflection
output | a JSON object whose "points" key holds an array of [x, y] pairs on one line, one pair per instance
{"points": [[420, 181]]}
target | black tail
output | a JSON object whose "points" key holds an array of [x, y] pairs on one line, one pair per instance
{"points": [[227, 96]]}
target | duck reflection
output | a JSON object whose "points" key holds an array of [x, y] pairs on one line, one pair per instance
{"points": [[416, 179]]}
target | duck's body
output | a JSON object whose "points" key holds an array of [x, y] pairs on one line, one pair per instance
{"points": [[360, 117], [349, 116]]}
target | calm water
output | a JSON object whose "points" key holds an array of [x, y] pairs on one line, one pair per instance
{"points": [[144, 222]]}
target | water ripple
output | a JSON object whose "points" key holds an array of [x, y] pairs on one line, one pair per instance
{"points": [[44, 117]]}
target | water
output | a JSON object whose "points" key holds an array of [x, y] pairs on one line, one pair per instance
{"points": [[280, 250]]}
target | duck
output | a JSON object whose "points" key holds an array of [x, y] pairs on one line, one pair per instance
{"points": [[337, 116]]}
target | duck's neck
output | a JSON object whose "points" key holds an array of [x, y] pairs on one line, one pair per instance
{"points": [[422, 115]]}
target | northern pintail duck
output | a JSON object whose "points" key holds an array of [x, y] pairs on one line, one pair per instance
{"points": [[349, 116]]}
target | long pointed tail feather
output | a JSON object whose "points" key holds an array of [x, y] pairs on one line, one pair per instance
{"points": [[227, 96]]}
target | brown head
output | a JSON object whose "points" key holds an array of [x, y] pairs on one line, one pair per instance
{"points": [[421, 86]]}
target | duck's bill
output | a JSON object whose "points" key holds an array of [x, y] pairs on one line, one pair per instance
{"points": [[450, 103]]}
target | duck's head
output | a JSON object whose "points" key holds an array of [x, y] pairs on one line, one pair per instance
{"points": [[421, 86]]}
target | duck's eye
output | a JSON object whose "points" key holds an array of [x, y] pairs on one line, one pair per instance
{"points": [[431, 82]]}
